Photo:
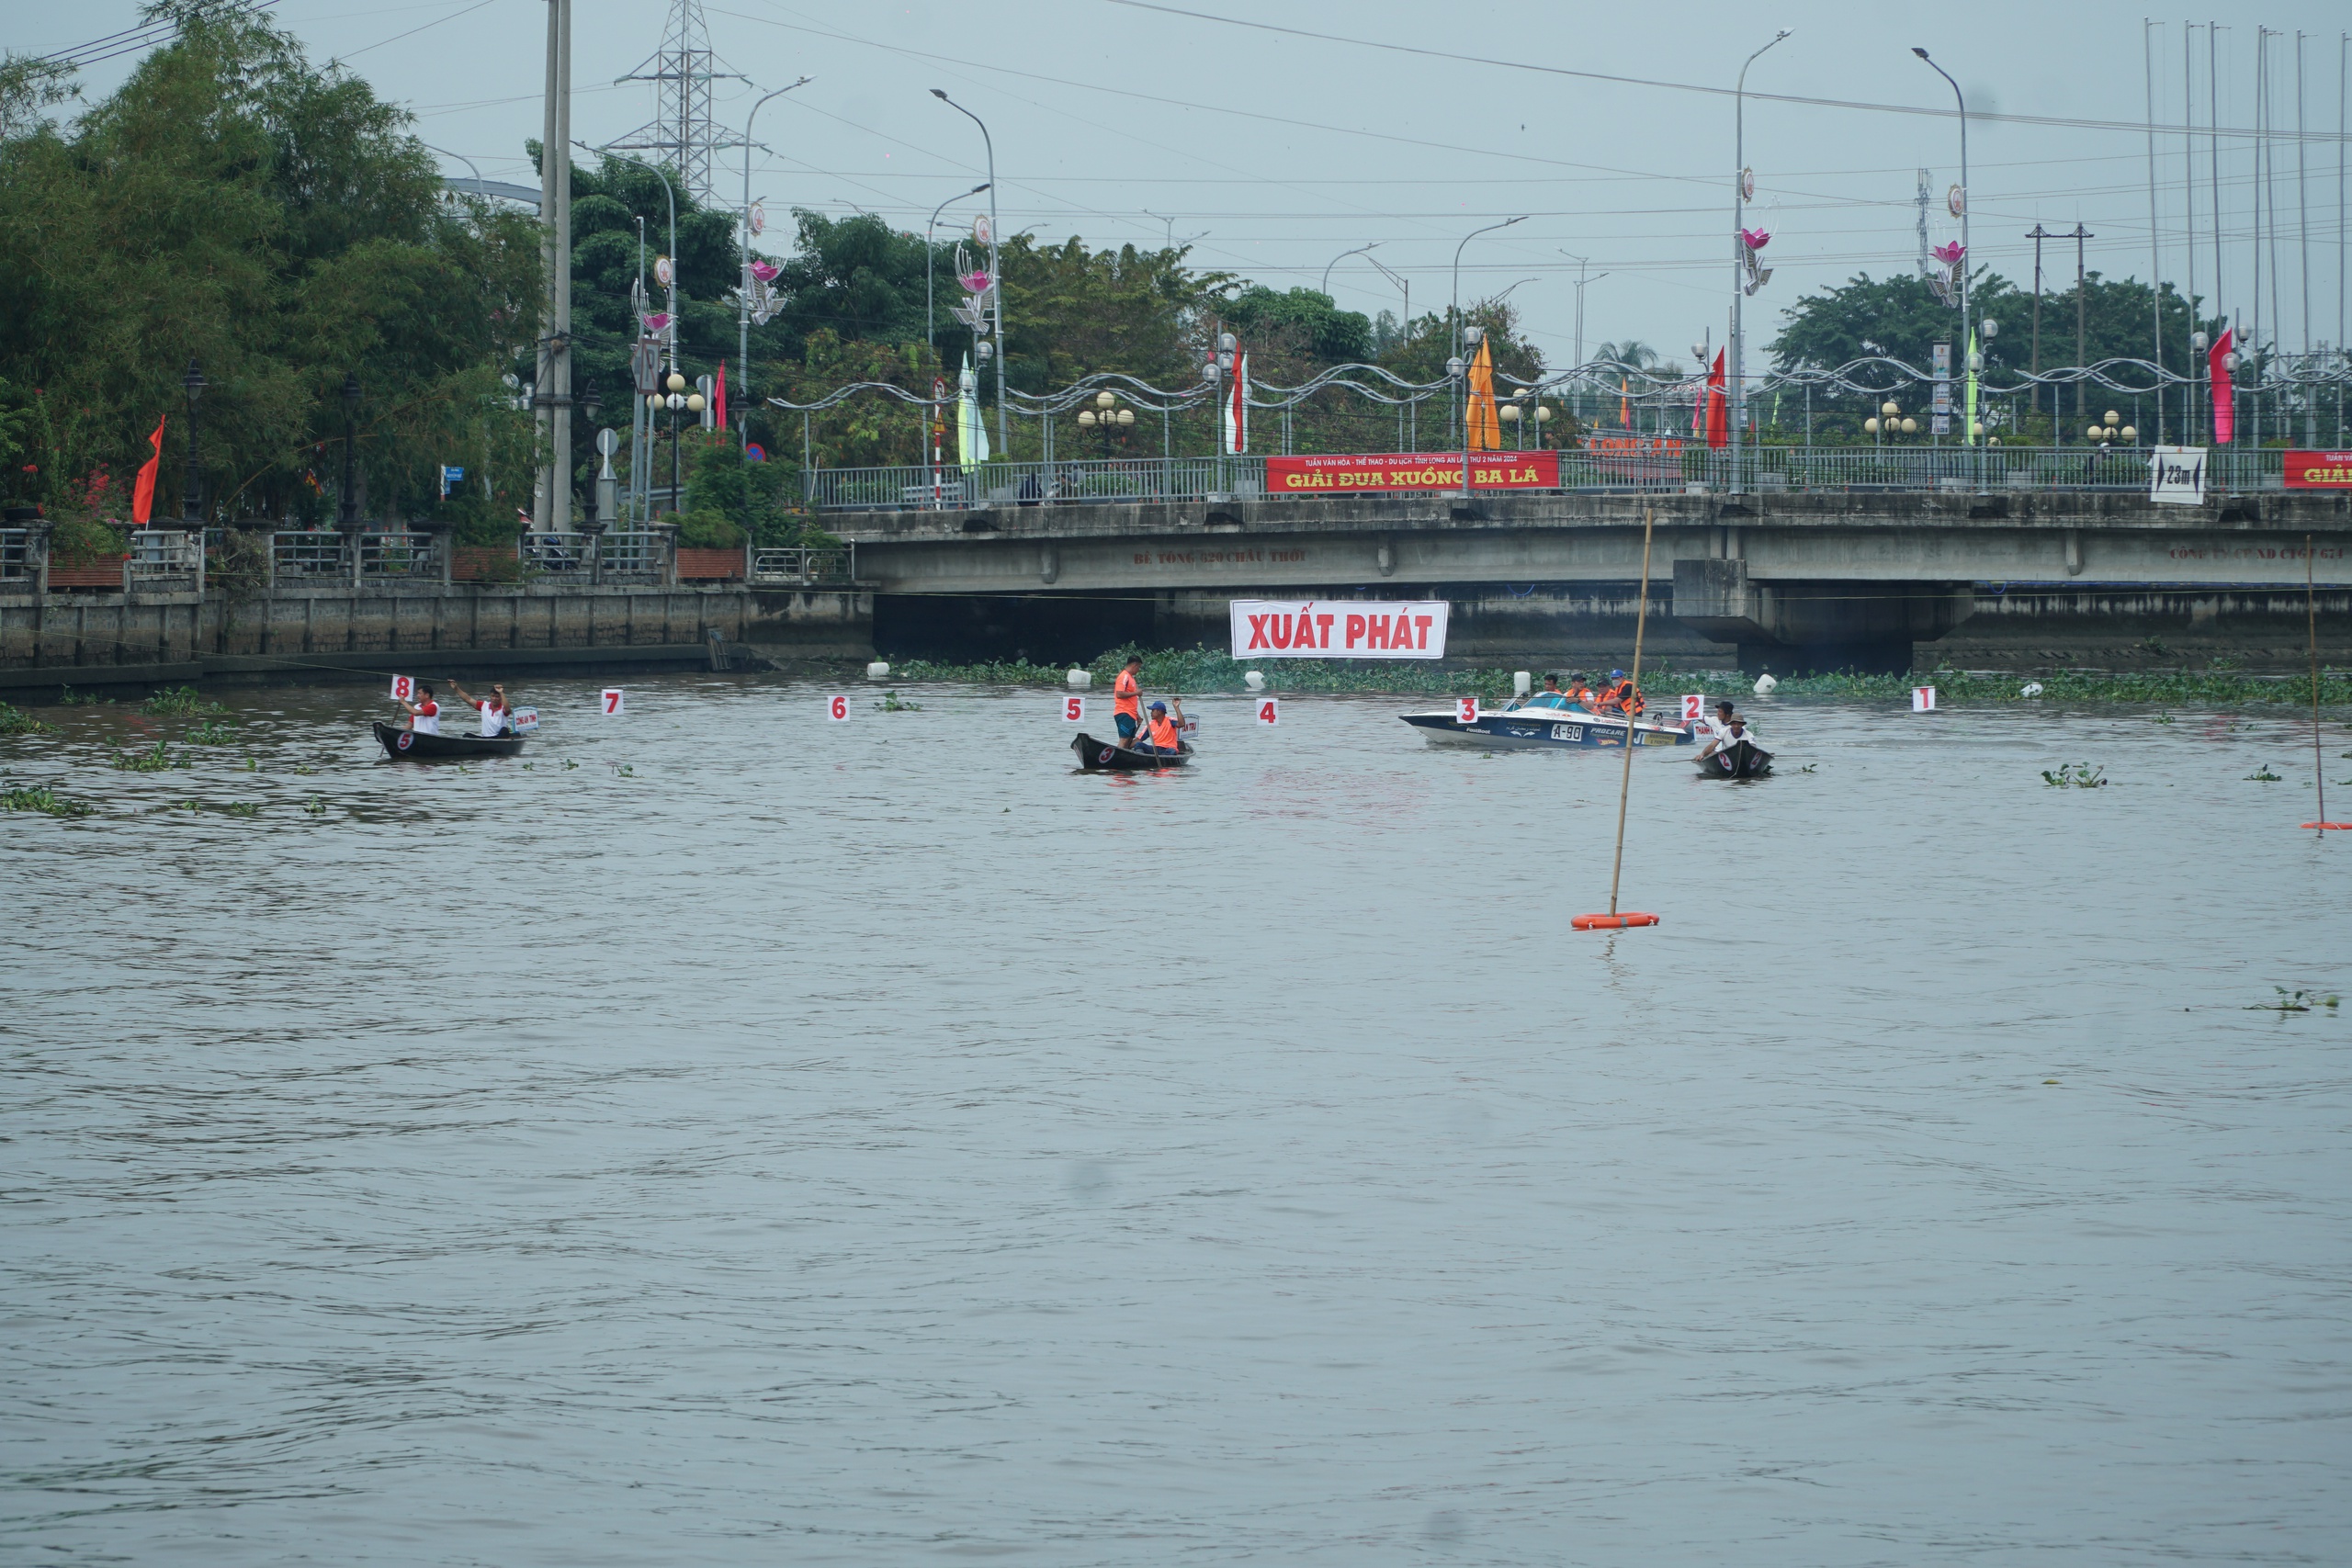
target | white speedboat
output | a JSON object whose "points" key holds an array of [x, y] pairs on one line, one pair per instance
{"points": [[1544, 722]]}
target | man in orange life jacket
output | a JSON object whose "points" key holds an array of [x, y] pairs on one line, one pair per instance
{"points": [[1126, 707], [1620, 696], [1164, 734]]}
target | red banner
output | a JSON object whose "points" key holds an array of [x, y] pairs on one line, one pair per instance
{"points": [[1358, 471], [2315, 470]]}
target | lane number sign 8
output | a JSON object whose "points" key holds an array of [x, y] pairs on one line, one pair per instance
{"points": [[1466, 710], [613, 701], [1270, 710], [1073, 710], [403, 688], [1694, 706], [837, 708]]}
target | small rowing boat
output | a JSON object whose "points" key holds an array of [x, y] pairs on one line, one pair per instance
{"points": [[1110, 757], [1543, 723], [1740, 759], [408, 746]]}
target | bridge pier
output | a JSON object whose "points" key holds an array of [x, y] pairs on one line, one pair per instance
{"points": [[1802, 627]]}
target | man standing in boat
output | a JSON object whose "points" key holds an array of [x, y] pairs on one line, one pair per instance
{"points": [[424, 714], [497, 715], [1127, 704]]}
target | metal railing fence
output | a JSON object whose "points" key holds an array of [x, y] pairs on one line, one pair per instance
{"points": [[1650, 466], [633, 556], [307, 554], [165, 559], [803, 567], [16, 555], [554, 552], [400, 554]]}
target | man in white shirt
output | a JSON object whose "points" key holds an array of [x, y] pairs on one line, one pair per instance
{"points": [[1716, 732], [424, 714], [497, 716]]}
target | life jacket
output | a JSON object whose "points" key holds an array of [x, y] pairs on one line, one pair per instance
{"points": [[1163, 733], [1129, 697], [1630, 699]]}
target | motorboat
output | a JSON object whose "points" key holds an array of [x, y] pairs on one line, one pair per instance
{"points": [[1544, 722]]}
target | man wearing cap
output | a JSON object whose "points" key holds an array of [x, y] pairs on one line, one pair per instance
{"points": [[1162, 733], [1716, 733], [1126, 702]]}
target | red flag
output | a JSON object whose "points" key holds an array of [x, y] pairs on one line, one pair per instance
{"points": [[1718, 406], [2225, 421], [143, 495], [719, 398]]}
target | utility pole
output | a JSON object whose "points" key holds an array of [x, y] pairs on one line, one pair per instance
{"points": [[551, 395], [2082, 290], [2037, 236]]}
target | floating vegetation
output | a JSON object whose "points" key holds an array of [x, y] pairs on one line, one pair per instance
{"points": [[252, 765], [2164, 718], [45, 800], [2262, 775], [185, 806], [624, 770], [305, 768], [2294, 1001], [156, 759], [1810, 768], [183, 702], [2081, 775], [213, 732], [570, 763], [16, 721], [315, 807], [893, 703], [243, 808], [68, 697]]}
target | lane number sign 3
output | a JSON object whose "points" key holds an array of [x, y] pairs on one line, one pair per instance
{"points": [[1270, 710], [1466, 710], [1694, 706], [1073, 710], [403, 688], [837, 708], [612, 702]]}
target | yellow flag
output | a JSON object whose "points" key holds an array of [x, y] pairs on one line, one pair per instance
{"points": [[1484, 427]]}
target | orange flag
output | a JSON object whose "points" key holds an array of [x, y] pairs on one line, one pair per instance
{"points": [[143, 495], [1484, 426]]}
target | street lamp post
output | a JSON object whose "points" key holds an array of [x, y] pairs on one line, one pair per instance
{"points": [[346, 509], [1738, 254], [1456, 367], [743, 319], [996, 275], [1967, 436], [1582, 263], [930, 335], [1412, 407], [192, 504], [1344, 255]]}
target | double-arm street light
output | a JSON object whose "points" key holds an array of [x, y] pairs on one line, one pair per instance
{"points": [[929, 335], [1457, 365], [743, 316], [1967, 436], [1344, 255], [1739, 256], [996, 276]]}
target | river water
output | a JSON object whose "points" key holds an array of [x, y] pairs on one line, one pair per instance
{"points": [[737, 1138]]}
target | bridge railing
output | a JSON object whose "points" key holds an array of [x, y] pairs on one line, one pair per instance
{"points": [[798, 568], [1655, 467]]}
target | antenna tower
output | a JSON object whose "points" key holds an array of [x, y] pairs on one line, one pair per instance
{"points": [[681, 133]]}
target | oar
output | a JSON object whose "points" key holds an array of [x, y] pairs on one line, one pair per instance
{"points": [[1613, 920]]}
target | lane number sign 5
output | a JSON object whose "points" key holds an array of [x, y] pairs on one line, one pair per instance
{"points": [[403, 688], [1466, 710], [612, 702], [1270, 710], [837, 708], [1073, 710]]}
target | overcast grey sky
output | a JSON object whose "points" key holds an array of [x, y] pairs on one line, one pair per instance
{"points": [[1123, 124]]}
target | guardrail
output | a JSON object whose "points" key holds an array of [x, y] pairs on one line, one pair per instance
{"points": [[397, 554], [554, 552], [1650, 465], [798, 568], [16, 555], [307, 555], [629, 557], [165, 560]]}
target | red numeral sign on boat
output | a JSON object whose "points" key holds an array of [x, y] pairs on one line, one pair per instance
{"points": [[837, 708], [613, 701], [1694, 706], [1466, 710], [403, 689], [1270, 710], [1073, 710]]}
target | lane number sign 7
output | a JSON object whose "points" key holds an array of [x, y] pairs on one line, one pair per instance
{"points": [[403, 688], [1466, 710], [837, 708], [612, 702], [1073, 710], [1270, 710]]}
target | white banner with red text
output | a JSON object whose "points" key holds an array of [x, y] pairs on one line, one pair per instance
{"points": [[1344, 628]]}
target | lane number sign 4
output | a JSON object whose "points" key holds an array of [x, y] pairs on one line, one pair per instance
{"points": [[837, 708], [1270, 710], [613, 701], [1073, 710], [403, 688]]}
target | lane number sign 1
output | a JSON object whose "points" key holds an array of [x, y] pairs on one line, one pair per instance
{"points": [[1073, 710], [1270, 710], [1694, 706], [1923, 699], [1466, 710], [612, 703], [403, 688], [837, 708]]}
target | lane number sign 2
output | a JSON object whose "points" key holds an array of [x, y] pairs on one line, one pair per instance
{"points": [[837, 708], [403, 688], [1466, 710], [1923, 699], [612, 702], [1694, 706], [1073, 710], [1270, 710]]}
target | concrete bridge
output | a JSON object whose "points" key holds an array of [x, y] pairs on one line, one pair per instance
{"points": [[1793, 582]]}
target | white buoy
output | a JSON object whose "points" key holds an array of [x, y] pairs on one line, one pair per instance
{"points": [[1082, 679], [1765, 685], [878, 671], [2031, 689], [1254, 679], [1521, 683]]}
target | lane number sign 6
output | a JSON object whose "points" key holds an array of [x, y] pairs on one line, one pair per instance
{"points": [[612, 702], [1270, 710], [1073, 710], [837, 708], [1466, 710]]}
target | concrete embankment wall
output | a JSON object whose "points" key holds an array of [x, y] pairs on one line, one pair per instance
{"points": [[98, 639]]}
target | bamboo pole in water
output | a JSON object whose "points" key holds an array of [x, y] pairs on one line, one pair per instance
{"points": [[2311, 624], [1625, 787]]}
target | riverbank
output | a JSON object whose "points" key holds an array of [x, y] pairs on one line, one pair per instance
{"points": [[1201, 670]]}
